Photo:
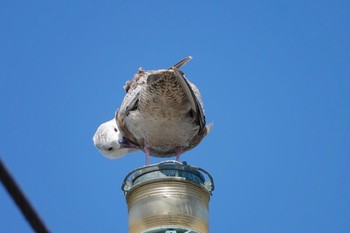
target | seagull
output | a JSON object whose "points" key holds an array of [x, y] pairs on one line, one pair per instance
{"points": [[162, 114]]}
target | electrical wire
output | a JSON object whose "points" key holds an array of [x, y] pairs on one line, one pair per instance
{"points": [[21, 201]]}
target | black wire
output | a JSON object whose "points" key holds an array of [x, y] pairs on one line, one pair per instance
{"points": [[21, 201]]}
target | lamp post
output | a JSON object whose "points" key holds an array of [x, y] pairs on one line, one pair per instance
{"points": [[168, 197]]}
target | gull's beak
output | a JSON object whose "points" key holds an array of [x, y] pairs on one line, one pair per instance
{"points": [[126, 144]]}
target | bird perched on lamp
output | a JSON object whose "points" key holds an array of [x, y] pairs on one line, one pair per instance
{"points": [[162, 114]]}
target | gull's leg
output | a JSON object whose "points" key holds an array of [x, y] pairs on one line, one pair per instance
{"points": [[147, 151], [178, 152]]}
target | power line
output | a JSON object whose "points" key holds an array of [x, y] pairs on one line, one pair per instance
{"points": [[21, 201]]}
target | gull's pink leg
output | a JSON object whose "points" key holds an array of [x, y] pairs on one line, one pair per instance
{"points": [[178, 153], [147, 151]]}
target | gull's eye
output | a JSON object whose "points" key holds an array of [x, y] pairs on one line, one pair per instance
{"points": [[115, 129], [110, 149]]}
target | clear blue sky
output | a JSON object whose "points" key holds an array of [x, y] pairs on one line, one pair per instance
{"points": [[275, 79]]}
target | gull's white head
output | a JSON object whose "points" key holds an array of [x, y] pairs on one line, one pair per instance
{"points": [[110, 142]]}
